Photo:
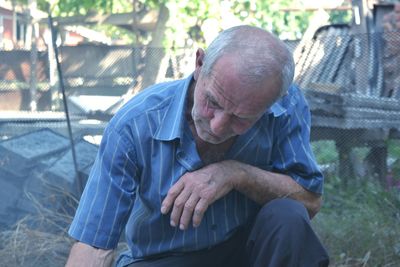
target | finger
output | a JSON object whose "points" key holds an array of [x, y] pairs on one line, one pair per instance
{"points": [[199, 211], [178, 206], [188, 209], [173, 193]]}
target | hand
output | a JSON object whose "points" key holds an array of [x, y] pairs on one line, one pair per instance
{"points": [[195, 191], [85, 255]]}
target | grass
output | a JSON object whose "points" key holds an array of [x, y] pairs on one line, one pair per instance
{"points": [[40, 238], [360, 226]]}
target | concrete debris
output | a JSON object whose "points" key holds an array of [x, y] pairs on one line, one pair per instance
{"points": [[20, 154], [37, 172]]}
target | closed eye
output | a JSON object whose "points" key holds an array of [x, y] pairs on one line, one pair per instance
{"points": [[211, 103]]}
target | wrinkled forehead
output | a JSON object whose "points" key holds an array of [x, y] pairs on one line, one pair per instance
{"points": [[253, 78], [230, 87]]}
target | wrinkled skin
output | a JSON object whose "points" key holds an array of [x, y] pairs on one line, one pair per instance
{"points": [[223, 108]]}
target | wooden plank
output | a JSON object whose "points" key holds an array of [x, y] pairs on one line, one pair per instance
{"points": [[324, 89], [352, 123], [320, 18], [301, 63], [356, 113], [368, 113], [322, 95], [361, 46], [384, 103], [342, 41], [328, 47], [345, 71], [146, 20], [313, 59]]}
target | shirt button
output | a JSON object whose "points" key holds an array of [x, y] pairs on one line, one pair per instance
{"points": [[214, 227]]}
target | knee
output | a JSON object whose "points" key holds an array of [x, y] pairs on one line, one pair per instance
{"points": [[279, 233], [283, 211]]}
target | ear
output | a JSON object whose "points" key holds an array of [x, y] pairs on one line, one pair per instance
{"points": [[199, 63]]}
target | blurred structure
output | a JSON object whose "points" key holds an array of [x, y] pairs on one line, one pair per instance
{"points": [[351, 77]]}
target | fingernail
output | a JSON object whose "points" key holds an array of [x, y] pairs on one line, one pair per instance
{"points": [[173, 224], [182, 227], [163, 209]]}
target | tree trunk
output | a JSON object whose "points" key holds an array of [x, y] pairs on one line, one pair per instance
{"points": [[155, 51]]}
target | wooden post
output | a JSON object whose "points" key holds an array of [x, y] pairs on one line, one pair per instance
{"points": [[346, 171], [53, 78], [153, 58], [1, 31], [32, 44], [376, 160]]}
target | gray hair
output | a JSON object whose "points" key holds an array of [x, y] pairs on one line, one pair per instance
{"points": [[261, 55]]}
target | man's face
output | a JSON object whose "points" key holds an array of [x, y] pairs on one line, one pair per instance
{"points": [[224, 106]]}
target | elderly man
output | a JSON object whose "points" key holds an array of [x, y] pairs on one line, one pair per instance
{"points": [[212, 170]]}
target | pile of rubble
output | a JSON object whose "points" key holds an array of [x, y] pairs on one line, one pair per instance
{"points": [[37, 170]]}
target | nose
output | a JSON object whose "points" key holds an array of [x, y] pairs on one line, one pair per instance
{"points": [[220, 123]]}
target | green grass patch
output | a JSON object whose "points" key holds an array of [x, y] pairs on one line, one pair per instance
{"points": [[360, 226]]}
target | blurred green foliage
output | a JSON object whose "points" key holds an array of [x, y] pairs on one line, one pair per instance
{"points": [[360, 225], [325, 152], [187, 17]]}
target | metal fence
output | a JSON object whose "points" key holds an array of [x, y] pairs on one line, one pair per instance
{"points": [[354, 96]]}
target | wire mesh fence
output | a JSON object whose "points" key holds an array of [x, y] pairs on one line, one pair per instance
{"points": [[352, 83]]}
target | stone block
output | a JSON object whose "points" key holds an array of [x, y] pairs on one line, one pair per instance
{"points": [[19, 155], [9, 195], [62, 173]]}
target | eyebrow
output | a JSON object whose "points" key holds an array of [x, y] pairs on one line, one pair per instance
{"points": [[212, 99]]}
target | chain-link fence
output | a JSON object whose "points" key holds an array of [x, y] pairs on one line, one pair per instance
{"points": [[351, 81]]}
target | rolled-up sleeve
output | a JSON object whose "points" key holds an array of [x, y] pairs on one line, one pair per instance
{"points": [[292, 154], [109, 194]]}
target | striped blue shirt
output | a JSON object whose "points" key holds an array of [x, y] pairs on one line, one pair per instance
{"points": [[148, 146]]}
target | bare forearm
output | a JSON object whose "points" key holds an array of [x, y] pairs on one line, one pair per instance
{"points": [[264, 186], [87, 256]]}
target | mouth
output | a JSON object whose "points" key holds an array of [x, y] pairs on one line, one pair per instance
{"points": [[204, 131], [212, 135]]}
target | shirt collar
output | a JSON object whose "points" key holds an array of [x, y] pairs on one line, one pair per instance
{"points": [[172, 123], [277, 109]]}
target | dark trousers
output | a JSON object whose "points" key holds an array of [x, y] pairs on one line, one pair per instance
{"points": [[281, 236]]}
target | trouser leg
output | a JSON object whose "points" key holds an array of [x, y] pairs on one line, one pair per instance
{"points": [[282, 236]]}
